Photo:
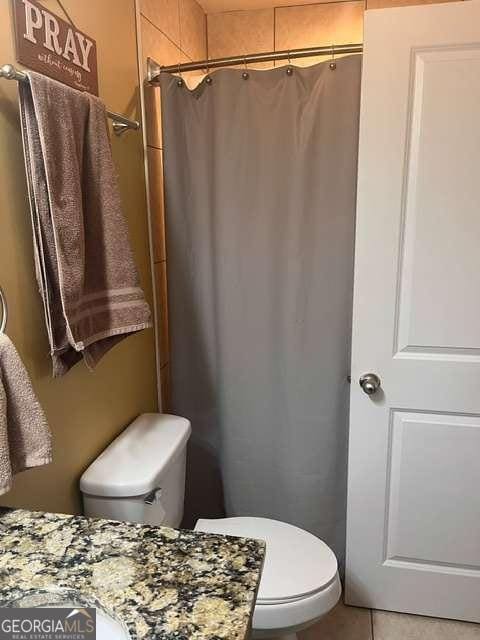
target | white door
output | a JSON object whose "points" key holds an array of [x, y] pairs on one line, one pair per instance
{"points": [[413, 533]]}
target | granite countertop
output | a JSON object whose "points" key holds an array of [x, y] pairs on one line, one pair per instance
{"points": [[161, 583]]}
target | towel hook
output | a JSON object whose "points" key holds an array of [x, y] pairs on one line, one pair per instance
{"points": [[3, 300]]}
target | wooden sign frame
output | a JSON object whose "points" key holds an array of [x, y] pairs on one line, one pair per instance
{"points": [[46, 43]]}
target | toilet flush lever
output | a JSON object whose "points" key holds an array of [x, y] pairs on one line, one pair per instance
{"points": [[153, 495]]}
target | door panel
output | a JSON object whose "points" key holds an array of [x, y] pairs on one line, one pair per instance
{"points": [[413, 525], [430, 519], [440, 270]]}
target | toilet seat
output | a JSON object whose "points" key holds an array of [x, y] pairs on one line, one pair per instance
{"points": [[290, 617], [292, 600], [298, 566]]}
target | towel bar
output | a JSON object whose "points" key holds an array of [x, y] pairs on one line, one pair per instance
{"points": [[120, 123], [3, 300]]}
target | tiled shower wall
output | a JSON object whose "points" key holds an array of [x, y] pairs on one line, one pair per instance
{"points": [[237, 33], [171, 31]]}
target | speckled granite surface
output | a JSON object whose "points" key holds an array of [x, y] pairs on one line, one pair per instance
{"points": [[163, 584]]}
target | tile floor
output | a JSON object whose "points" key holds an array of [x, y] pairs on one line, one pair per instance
{"points": [[353, 623]]}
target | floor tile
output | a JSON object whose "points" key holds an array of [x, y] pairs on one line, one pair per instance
{"points": [[342, 623], [402, 626]]}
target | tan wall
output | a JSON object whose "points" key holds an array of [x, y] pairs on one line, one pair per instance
{"points": [[239, 32], [85, 410], [171, 31]]}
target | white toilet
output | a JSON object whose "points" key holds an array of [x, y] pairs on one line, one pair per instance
{"points": [[140, 477]]}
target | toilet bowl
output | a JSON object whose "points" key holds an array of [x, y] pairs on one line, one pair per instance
{"points": [[300, 581]]}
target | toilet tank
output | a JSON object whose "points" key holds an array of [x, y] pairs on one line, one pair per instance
{"points": [[140, 476]]}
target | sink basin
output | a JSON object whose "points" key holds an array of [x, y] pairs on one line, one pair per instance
{"points": [[109, 627]]}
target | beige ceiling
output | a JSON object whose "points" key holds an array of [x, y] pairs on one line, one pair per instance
{"points": [[215, 6]]}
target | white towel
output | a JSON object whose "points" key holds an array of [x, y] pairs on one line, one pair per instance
{"points": [[25, 439]]}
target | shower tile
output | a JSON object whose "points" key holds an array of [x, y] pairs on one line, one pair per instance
{"points": [[165, 387], [165, 15], [153, 116], [156, 45], [193, 78], [193, 30], [317, 25], [401, 626], [162, 311], [342, 623], [236, 33], [155, 179], [386, 4]]}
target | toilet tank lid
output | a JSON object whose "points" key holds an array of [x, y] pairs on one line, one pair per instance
{"points": [[132, 463]]}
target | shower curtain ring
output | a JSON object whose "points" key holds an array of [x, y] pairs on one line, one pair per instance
{"points": [[208, 79], [289, 68], [180, 79], [333, 64], [245, 74]]}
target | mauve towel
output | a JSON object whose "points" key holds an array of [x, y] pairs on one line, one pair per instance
{"points": [[25, 439], [84, 263]]}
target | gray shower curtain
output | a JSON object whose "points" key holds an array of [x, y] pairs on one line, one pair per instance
{"points": [[260, 180]]}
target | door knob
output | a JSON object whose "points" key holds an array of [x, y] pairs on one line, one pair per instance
{"points": [[370, 383]]}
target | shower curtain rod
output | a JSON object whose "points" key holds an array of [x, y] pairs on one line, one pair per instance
{"points": [[154, 69], [120, 123]]}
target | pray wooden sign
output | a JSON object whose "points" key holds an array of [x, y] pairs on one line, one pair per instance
{"points": [[47, 44]]}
